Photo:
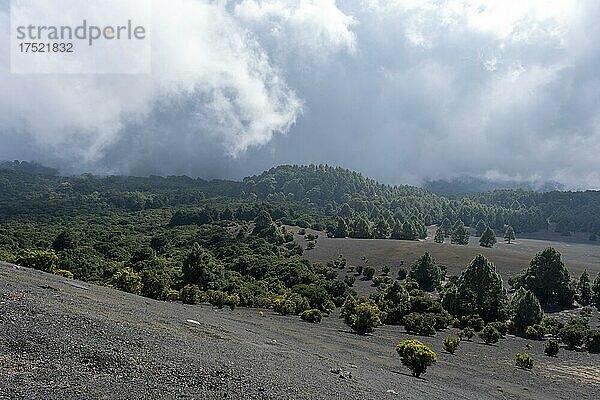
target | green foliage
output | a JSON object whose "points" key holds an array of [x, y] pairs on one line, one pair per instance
{"points": [[368, 273], [127, 280], [509, 234], [548, 278], [362, 228], [64, 241], [402, 274], [363, 316], [349, 280], [573, 332], [489, 334], [469, 333], [42, 260], [596, 291], [524, 360], [154, 284], [552, 325], [460, 234], [480, 228], [426, 272], [479, 290], [592, 341], [313, 316], [584, 289], [201, 268], [488, 238], [421, 324], [341, 231], [190, 294], [216, 298], [526, 309], [290, 303], [416, 356], [535, 332], [439, 236], [451, 343], [551, 348], [63, 273]]}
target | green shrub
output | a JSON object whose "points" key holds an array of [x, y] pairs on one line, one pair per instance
{"points": [[381, 280], [552, 325], [190, 294], [42, 260], [451, 343], [6, 256], [368, 273], [573, 333], [233, 301], [291, 303], [526, 308], [592, 341], [501, 327], [349, 280], [313, 315], [64, 273], [472, 321], [421, 324], [535, 332], [385, 269], [127, 280], [551, 348], [469, 333], [489, 334], [524, 360], [363, 316], [402, 274], [172, 295], [416, 356]]}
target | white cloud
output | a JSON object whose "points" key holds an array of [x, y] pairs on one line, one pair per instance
{"points": [[200, 53]]}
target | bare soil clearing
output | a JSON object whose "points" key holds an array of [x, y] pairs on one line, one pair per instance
{"points": [[66, 339]]}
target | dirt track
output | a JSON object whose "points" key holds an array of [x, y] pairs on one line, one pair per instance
{"points": [[67, 339]]}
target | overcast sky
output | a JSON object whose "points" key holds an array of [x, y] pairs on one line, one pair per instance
{"points": [[398, 90]]}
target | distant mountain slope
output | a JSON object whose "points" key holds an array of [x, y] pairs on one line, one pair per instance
{"points": [[467, 185]]}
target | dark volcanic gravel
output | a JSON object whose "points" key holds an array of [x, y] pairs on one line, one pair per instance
{"points": [[64, 339]]}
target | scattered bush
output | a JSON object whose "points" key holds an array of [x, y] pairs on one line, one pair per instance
{"points": [[42, 260], [64, 273], [524, 360], [363, 316], [551, 348], [172, 295], [501, 327], [233, 301], [291, 303], [313, 315], [552, 325], [127, 280], [416, 356], [421, 324], [190, 294], [573, 333], [349, 280], [473, 321], [381, 280], [385, 269], [402, 274], [526, 309], [368, 273], [535, 332], [489, 334], [451, 343], [592, 341], [469, 333]]}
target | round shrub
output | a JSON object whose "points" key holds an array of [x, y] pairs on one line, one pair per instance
{"points": [[363, 316], [416, 356], [313, 315], [592, 341], [190, 294], [451, 343], [172, 295], [469, 333], [421, 324], [64, 273], [402, 273], [535, 332], [349, 280], [489, 334], [551, 348], [368, 273], [524, 360], [573, 333], [127, 280]]}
